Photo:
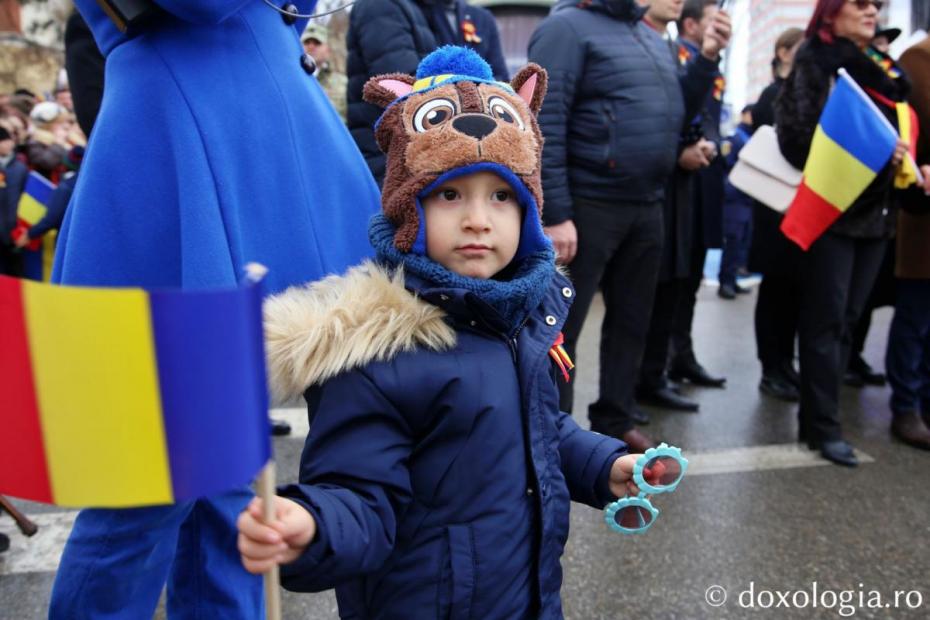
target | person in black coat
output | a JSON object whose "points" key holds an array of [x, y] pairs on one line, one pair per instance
{"points": [[839, 269], [393, 36], [612, 120], [85, 66], [776, 258]]}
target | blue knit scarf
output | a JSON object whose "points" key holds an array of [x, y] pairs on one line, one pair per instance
{"points": [[513, 299]]}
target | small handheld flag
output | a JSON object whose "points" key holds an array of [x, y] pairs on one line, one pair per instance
{"points": [[851, 145], [32, 205], [124, 397]]}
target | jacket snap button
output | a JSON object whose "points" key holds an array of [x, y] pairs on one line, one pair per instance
{"points": [[444, 297], [529, 491], [308, 64], [473, 323], [566, 292], [290, 13], [550, 320]]}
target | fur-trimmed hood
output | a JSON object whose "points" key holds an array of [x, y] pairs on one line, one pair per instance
{"points": [[325, 328]]}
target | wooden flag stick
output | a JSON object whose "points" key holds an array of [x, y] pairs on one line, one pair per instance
{"points": [[266, 490]]}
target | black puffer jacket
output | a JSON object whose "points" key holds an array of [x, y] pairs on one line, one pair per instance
{"points": [[615, 106], [797, 113], [393, 36]]}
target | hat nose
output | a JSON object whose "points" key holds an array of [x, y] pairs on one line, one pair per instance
{"points": [[474, 125]]}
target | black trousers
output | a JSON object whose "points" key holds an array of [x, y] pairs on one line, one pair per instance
{"points": [[619, 249], [836, 278], [682, 345], [668, 296], [776, 319]]}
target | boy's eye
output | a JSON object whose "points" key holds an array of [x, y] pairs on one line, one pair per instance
{"points": [[502, 195], [448, 194], [433, 114]]}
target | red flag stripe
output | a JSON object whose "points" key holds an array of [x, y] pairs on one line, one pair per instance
{"points": [[808, 217], [23, 468]]}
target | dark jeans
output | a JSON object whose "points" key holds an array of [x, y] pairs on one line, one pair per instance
{"points": [[736, 240], [776, 319], [619, 249], [837, 277], [908, 357]]}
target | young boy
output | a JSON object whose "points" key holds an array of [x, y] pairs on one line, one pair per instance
{"points": [[437, 475]]}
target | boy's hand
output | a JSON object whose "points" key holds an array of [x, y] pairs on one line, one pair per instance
{"points": [[279, 542], [621, 476]]}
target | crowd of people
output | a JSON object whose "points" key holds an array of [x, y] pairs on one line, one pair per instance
{"points": [[606, 154]]}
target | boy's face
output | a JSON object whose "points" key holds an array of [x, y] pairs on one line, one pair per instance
{"points": [[473, 225], [6, 147]]}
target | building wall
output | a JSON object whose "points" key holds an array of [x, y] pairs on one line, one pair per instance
{"points": [[769, 18]]}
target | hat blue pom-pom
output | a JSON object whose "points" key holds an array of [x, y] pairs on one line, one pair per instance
{"points": [[455, 60]]}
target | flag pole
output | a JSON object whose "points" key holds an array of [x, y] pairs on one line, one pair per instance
{"points": [[865, 97], [266, 490]]}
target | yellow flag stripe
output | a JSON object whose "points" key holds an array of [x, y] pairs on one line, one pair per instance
{"points": [[834, 174], [30, 209], [93, 358]]}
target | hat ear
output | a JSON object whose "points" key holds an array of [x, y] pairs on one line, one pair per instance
{"points": [[530, 83], [383, 90]]}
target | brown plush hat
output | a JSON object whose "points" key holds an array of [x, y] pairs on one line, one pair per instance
{"points": [[453, 119]]}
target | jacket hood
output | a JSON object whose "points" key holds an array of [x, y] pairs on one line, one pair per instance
{"points": [[626, 10], [322, 329]]}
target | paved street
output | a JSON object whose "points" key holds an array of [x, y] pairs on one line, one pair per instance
{"points": [[757, 515]]}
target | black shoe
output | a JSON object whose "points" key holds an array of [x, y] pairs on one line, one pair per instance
{"points": [[741, 290], [839, 452], [280, 428], [4, 542], [639, 416], [866, 373], [791, 375], [853, 379], [667, 398], [694, 373], [779, 388], [726, 291]]}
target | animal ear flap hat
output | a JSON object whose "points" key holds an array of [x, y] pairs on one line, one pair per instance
{"points": [[454, 119]]}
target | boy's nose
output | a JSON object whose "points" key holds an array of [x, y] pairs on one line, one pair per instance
{"points": [[474, 125]]}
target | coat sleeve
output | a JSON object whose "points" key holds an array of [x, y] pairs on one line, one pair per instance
{"points": [[586, 461], [353, 480], [696, 82], [556, 47], [797, 110]]}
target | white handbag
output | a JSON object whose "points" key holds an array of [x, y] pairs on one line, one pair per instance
{"points": [[763, 172]]}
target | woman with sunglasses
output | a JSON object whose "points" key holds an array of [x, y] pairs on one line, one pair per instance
{"points": [[840, 268]]}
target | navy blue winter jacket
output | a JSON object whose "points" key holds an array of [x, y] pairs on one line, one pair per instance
{"points": [[438, 466], [615, 106], [393, 36]]}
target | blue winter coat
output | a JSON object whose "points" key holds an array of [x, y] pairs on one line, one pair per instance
{"points": [[737, 206], [213, 148], [438, 466]]}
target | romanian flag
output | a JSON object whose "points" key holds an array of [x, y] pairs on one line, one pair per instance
{"points": [[852, 143], [35, 196], [123, 397]]}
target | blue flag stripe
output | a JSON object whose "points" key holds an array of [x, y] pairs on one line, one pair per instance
{"points": [[39, 187], [852, 124], [216, 423]]}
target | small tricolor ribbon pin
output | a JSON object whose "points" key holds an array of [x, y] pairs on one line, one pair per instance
{"points": [[561, 358], [469, 32]]}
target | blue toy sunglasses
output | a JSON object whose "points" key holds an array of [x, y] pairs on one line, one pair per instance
{"points": [[659, 470]]}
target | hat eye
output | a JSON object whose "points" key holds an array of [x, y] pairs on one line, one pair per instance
{"points": [[501, 109], [432, 114]]}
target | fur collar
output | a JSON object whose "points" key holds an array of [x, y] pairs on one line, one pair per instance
{"points": [[317, 331], [829, 57]]}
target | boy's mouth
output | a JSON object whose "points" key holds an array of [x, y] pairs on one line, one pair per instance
{"points": [[473, 250]]}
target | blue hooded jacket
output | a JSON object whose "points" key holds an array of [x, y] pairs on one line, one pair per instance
{"points": [[438, 466]]}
